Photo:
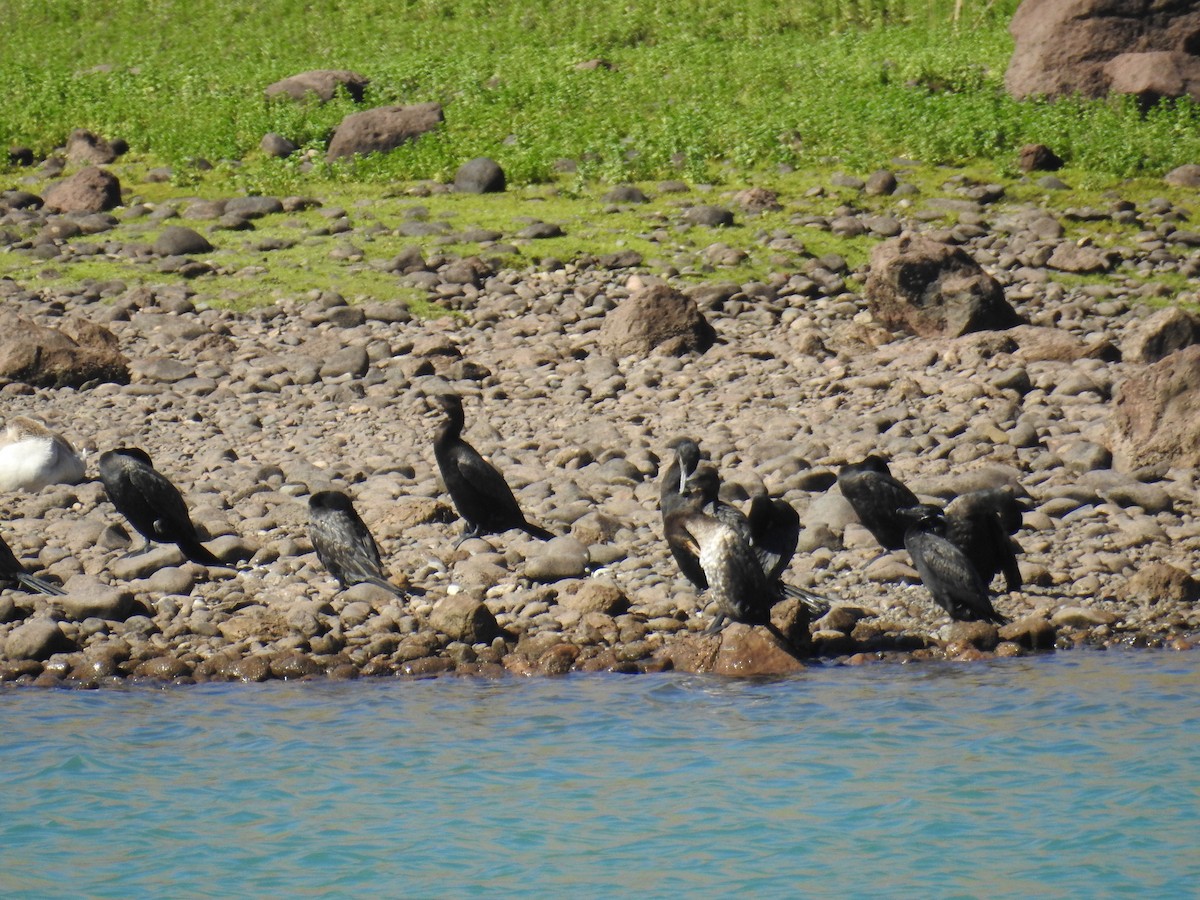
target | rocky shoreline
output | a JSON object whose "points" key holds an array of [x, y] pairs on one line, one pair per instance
{"points": [[251, 412]]}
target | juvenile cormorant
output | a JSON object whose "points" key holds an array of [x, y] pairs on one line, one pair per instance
{"points": [[945, 569], [344, 543], [151, 503], [33, 456], [979, 523], [675, 476], [12, 570], [672, 495], [735, 577], [877, 497], [480, 493]]}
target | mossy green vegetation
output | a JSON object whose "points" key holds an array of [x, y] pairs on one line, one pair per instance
{"points": [[692, 89]]}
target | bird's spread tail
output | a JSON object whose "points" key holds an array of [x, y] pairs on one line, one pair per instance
{"points": [[41, 586], [815, 603]]}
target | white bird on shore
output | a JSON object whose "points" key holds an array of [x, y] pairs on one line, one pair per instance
{"points": [[32, 456]]}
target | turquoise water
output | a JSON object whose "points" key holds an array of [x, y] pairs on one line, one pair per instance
{"points": [[1063, 776]]}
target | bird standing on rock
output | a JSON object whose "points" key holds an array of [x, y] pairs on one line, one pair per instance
{"points": [[733, 572], [479, 492], [980, 524], [151, 503], [33, 456], [877, 497], [344, 543], [945, 569], [12, 570]]}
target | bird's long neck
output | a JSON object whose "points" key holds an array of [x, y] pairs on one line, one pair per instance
{"points": [[451, 430]]}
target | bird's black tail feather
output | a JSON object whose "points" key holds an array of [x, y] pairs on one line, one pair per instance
{"points": [[39, 585], [814, 602], [387, 586], [198, 553], [535, 531]]}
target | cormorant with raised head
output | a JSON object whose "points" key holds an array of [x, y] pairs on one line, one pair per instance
{"points": [[877, 497], [671, 496], [734, 574], [344, 543], [772, 531], [479, 492], [672, 485], [944, 568], [11, 570], [151, 503], [980, 524]]}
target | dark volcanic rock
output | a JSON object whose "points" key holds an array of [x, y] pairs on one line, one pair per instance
{"points": [[479, 176], [934, 290], [655, 318], [178, 240], [1039, 158], [78, 352], [1156, 414], [319, 84], [89, 190], [383, 128]]}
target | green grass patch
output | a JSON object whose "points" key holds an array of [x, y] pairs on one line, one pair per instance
{"points": [[698, 90]]}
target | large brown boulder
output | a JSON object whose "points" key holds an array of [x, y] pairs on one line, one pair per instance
{"points": [[933, 289], [89, 190], [383, 128], [1064, 47], [1160, 335], [320, 85], [1156, 414], [78, 352], [655, 318], [1154, 75], [86, 148]]}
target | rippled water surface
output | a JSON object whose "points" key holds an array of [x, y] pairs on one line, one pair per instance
{"points": [[1066, 776]]}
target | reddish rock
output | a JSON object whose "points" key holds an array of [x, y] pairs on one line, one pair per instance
{"points": [[464, 618], [85, 148], [1154, 75], [48, 357], [657, 318], [1156, 414], [1039, 158], [1160, 582], [383, 128], [933, 289], [89, 190], [1063, 47], [320, 85], [749, 651]]}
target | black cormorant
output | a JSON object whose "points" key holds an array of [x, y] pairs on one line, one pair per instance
{"points": [[12, 570], [877, 497], [979, 523], [153, 505], [945, 569], [344, 543], [480, 493]]}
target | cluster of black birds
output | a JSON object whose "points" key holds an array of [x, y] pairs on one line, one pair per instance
{"points": [[738, 557], [957, 551]]}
